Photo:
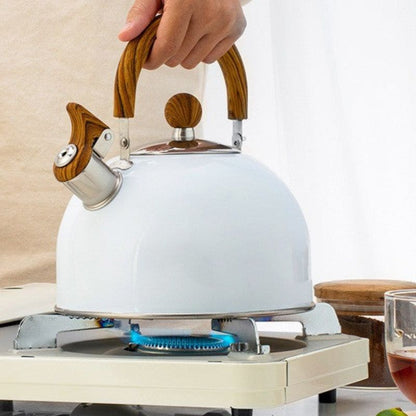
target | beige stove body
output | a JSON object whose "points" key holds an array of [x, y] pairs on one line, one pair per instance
{"points": [[238, 380], [101, 371]]}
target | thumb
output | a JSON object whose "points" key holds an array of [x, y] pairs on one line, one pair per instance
{"points": [[140, 15]]}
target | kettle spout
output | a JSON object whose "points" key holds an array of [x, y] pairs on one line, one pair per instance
{"points": [[80, 166]]}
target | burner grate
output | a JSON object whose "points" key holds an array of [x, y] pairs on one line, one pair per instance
{"points": [[181, 344]]}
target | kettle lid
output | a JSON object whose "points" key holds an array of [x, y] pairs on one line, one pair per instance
{"points": [[183, 112], [183, 147]]}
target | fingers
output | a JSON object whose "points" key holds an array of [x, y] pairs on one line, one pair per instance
{"points": [[194, 31], [199, 52], [219, 50], [170, 37], [140, 15], [192, 38], [190, 31]]}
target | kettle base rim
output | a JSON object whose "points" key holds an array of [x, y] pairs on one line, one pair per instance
{"points": [[123, 315]]}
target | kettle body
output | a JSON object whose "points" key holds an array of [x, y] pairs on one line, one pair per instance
{"points": [[187, 235], [185, 228]]}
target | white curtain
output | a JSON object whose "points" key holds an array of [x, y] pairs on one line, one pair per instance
{"points": [[332, 89]]}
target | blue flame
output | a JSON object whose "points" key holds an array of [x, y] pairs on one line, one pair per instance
{"points": [[227, 338], [263, 318], [213, 342], [106, 323], [135, 334]]}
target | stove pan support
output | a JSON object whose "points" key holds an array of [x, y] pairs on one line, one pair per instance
{"points": [[246, 332], [321, 320], [41, 331]]}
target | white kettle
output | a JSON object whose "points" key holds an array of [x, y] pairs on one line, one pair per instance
{"points": [[185, 228]]}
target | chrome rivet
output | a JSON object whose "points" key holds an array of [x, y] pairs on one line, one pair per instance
{"points": [[124, 142], [66, 155]]}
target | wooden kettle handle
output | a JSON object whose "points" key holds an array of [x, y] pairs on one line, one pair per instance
{"points": [[135, 55]]}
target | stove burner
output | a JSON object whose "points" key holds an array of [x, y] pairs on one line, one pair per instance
{"points": [[198, 345]]}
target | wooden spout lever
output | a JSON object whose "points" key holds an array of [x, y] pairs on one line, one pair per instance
{"points": [[86, 129]]}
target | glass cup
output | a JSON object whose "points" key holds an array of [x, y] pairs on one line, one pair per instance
{"points": [[400, 327]]}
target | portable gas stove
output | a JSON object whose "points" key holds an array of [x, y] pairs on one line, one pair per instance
{"points": [[220, 364]]}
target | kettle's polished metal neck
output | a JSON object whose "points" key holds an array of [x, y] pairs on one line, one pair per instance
{"points": [[183, 134], [97, 184]]}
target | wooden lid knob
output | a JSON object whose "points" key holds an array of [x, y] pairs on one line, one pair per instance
{"points": [[183, 111]]}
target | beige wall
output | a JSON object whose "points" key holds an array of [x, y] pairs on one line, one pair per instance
{"points": [[53, 52]]}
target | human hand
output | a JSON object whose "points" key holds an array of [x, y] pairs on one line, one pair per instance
{"points": [[190, 31]]}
